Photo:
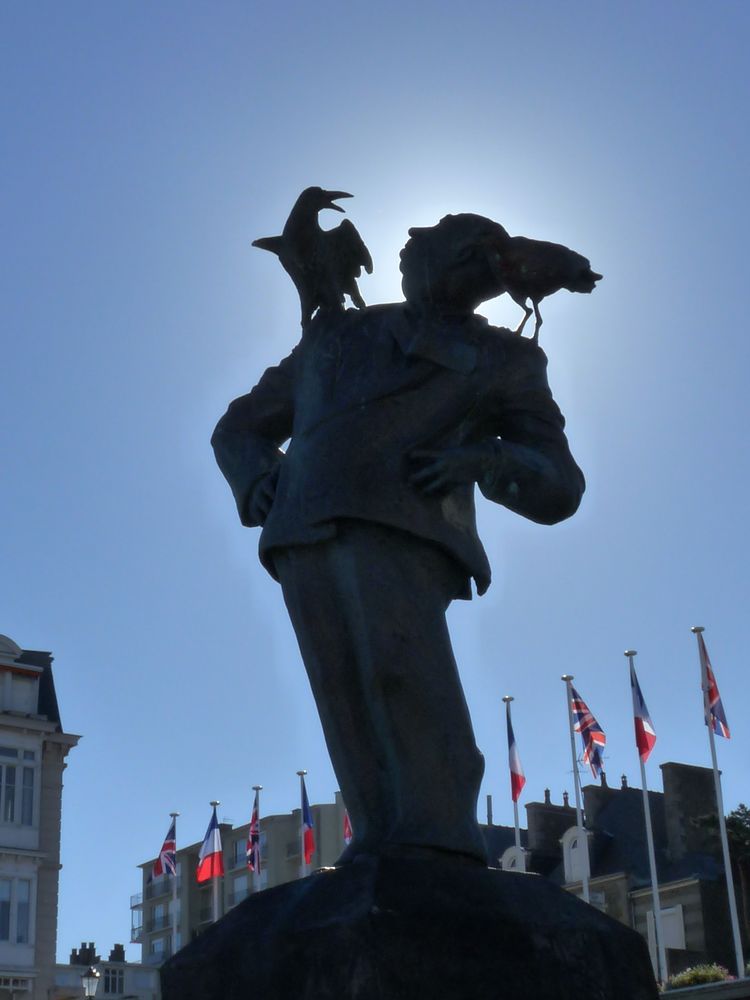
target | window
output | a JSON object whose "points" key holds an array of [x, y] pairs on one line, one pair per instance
{"points": [[240, 853], [114, 981], [23, 901], [9, 792], [513, 860], [672, 927], [239, 889], [159, 917], [14, 983], [27, 797], [599, 900], [24, 694], [575, 854], [5, 885], [15, 910], [17, 787]]}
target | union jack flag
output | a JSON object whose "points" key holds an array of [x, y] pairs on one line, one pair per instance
{"points": [[252, 849], [715, 717], [592, 734], [166, 863]]}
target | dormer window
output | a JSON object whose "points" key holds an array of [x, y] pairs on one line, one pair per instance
{"points": [[513, 860], [19, 689], [575, 854]]}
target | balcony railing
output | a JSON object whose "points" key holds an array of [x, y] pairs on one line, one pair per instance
{"points": [[157, 957], [136, 934], [158, 923], [237, 896], [162, 887], [136, 900]]}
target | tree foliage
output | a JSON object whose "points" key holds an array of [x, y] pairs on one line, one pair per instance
{"points": [[738, 832]]}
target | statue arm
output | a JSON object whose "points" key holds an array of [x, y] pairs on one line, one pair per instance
{"points": [[527, 465], [247, 441]]}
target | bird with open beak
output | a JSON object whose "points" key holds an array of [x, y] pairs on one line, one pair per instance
{"points": [[323, 264]]}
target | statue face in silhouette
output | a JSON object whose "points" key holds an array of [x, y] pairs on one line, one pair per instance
{"points": [[452, 267]]}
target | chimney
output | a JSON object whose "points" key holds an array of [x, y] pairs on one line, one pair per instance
{"points": [[688, 800], [546, 823]]}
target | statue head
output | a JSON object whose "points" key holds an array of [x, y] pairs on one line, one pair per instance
{"points": [[452, 267]]}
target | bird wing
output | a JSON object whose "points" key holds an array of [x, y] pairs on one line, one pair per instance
{"points": [[350, 248], [534, 268]]}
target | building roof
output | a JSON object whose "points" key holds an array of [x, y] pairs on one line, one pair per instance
{"points": [[8, 649], [11, 654], [47, 706], [499, 838]]}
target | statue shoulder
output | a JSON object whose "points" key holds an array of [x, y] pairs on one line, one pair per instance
{"points": [[518, 349], [344, 320]]}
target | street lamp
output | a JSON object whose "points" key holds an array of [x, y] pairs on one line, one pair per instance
{"points": [[90, 981]]}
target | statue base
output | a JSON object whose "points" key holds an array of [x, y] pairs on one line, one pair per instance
{"points": [[413, 929]]}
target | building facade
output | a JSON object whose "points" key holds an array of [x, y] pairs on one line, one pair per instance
{"points": [[280, 843], [118, 977], [612, 846], [33, 749], [692, 889]]}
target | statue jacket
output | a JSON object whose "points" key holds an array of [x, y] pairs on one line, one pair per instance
{"points": [[360, 393]]}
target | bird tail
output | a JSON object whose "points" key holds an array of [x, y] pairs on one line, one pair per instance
{"points": [[272, 243]]}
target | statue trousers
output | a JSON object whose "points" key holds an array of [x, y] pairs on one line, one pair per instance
{"points": [[368, 608]]}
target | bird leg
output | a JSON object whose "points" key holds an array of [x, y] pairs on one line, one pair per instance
{"points": [[539, 322], [522, 324], [356, 298]]}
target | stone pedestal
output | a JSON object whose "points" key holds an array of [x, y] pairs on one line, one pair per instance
{"points": [[408, 929]]}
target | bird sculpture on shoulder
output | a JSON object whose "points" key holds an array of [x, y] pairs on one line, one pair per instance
{"points": [[534, 269], [323, 264]]}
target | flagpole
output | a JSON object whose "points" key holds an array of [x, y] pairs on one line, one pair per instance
{"points": [[302, 865], [256, 874], [508, 698], [577, 785], [215, 879], [697, 630], [661, 952], [174, 887]]}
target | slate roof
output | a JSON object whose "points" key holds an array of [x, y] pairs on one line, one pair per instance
{"points": [[47, 705]]}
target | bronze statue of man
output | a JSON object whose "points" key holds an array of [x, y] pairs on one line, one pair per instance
{"points": [[392, 414]]}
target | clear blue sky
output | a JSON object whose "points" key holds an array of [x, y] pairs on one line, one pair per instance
{"points": [[146, 145]]}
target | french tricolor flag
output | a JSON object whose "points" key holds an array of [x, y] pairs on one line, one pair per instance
{"points": [[517, 777], [645, 734], [348, 834], [308, 836], [211, 857]]}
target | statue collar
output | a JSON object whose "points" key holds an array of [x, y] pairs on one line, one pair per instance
{"points": [[445, 342]]}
